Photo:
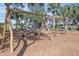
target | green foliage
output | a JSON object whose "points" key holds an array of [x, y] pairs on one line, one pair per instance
{"points": [[78, 27], [53, 6], [72, 12], [36, 7], [1, 26]]}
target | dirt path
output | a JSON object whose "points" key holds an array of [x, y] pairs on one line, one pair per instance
{"points": [[62, 44]]}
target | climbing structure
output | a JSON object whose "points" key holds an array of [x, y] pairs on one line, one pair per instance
{"points": [[44, 16]]}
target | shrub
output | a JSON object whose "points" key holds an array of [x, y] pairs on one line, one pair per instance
{"points": [[78, 27]]}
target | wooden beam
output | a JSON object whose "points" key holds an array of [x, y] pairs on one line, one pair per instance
{"points": [[25, 12], [38, 14], [57, 17]]}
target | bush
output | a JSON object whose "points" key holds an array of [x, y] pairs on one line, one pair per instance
{"points": [[69, 28], [78, 27]]}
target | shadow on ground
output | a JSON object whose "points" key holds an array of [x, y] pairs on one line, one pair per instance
{"points": [[22, 37], [25, 46]]}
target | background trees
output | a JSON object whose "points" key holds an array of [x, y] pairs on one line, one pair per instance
{"points": [[69, 10]]}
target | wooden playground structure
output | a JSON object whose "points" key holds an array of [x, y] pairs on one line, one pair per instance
{"points": [[44, 16]]}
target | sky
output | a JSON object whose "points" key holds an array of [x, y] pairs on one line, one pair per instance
{"points": [[2, 10]]}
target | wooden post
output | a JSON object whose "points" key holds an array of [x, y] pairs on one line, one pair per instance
{"points": [[49, 31], [11, 38], [11, 35], [48, 28], [53, 23], [5, 25], [8, 19], [4, 31], [66, 25]]}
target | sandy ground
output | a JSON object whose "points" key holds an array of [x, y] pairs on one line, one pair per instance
{"points": [[63, 44]]}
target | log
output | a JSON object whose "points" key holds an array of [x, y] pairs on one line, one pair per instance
{"points": [[11, 38]]}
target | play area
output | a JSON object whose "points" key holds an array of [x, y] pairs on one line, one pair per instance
{"points": [[62, 44], [25, 33]]}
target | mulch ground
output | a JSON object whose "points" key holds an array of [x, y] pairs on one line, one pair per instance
{"points": [[63, 44]]}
